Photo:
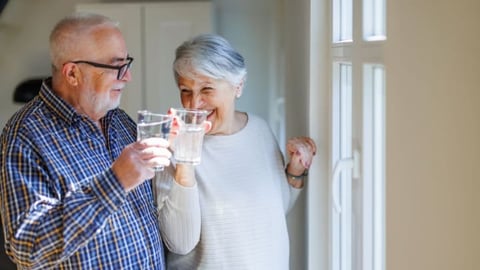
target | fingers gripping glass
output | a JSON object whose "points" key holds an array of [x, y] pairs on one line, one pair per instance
{"points": [[122, 70], [153, 125]]}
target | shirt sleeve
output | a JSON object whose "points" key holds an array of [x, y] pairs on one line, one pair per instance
{"points": [[179, 214], [43, 226]]}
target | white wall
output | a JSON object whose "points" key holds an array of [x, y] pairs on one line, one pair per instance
{"points": [[318, 206], [24, 29], [296, 42], [433, 135], [250, 25]]}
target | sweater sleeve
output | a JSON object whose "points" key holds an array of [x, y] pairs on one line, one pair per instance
{"points": [[179, 214], [289, 194]]}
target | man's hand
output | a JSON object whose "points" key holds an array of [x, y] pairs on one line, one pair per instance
{"points": [[137, 161]]}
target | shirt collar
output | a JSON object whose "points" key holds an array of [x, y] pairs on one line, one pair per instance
{"points": [[59, 106]]}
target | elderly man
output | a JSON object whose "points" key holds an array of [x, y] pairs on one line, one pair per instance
{"points": [[73, 187]]}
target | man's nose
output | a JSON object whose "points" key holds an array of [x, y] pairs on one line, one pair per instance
{"points": [[128, 76]]}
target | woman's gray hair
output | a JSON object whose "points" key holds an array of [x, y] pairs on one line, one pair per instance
{"points": [[210, 55], [67, 32]]}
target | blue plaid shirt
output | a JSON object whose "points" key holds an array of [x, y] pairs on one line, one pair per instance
{"points": [[61, 205]]}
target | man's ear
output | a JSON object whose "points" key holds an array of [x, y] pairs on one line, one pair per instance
{"points": [[71, 73]]}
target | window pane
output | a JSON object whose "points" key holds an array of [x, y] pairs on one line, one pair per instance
{"points": [[374, 20], [374, 168], [342, 149], [342, 21]]}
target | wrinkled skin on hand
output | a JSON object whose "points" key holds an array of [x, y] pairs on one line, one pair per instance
{"points": [[300, 151], [135, 163]]}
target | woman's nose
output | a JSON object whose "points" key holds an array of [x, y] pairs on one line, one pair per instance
{"points": [[197, 101]]}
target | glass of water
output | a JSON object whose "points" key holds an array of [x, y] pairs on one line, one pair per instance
{"points": [[153, 125], [189, 141]]}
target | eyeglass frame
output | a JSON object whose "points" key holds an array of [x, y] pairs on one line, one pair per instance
{"points": [[120, 76]]}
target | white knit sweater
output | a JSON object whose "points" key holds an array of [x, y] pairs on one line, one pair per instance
{"points": [[243, 200]]}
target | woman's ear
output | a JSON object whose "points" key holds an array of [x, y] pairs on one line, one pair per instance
{"points": [[71, 73], [239, 89]]}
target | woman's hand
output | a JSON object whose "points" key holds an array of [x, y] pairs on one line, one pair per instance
{"points": [[176, 125], [300, 151]]}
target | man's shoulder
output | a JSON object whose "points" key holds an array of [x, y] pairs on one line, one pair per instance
{"points": [[23, 119], [122, 116]]}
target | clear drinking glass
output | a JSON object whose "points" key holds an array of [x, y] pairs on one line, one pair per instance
{"points": [[189, 141], [153, 125]]}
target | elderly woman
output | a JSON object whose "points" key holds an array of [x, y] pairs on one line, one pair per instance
{"points": [[244, 188]]}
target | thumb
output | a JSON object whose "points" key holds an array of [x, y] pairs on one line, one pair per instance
{"points": [[174, 129], [207, 125]]}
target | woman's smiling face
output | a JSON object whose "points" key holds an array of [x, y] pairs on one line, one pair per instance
{"points": [[216, 96]]}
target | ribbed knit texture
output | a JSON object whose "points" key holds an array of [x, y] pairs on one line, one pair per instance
{"points": [[244, 198]]}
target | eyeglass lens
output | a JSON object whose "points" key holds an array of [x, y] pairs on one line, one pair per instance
{"points": [[123, 69]]}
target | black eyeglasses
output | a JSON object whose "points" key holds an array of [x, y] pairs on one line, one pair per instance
{"points": [[122, 70]]}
